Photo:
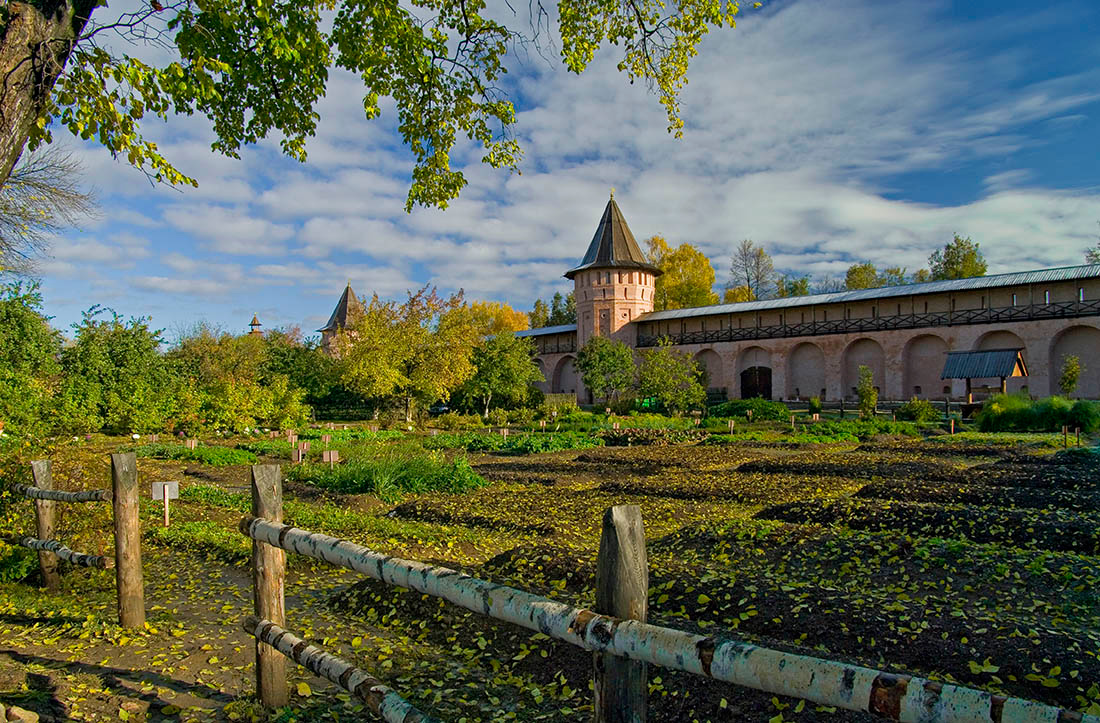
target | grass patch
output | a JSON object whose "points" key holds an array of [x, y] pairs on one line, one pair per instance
{"points": [[332, 519], [391, 473], [214, 456], [210, 538], [1000, 439]]}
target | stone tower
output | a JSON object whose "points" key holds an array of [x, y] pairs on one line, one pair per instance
{"points": [[613, 284]]}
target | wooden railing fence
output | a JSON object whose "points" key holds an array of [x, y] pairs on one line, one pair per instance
{"points": [[127, 558], [616, 633]]}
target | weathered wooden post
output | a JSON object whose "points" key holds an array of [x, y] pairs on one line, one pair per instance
{"points": [[128, 576], [268, 582], [1065, 436], [44, 519], [1078, 431], [622, 590]]}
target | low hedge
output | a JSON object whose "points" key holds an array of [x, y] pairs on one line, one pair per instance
{"points": [[762, 409]]}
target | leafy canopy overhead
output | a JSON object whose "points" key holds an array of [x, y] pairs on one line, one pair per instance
{"points": [[259, 68]]}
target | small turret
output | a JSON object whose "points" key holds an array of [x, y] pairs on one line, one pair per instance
{"points": [[255, 325]]}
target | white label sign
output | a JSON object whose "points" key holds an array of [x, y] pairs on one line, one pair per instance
{"points": [[171, 486]]}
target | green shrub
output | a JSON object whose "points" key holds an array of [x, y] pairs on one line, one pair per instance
{"points": [[815, 405], [1016, 413], [524, 416], [563, 404], [16, 563], [868, 395], [497, 417], [214, 456], [390, 474], [918, 410], [762, 409], [453, 421]]}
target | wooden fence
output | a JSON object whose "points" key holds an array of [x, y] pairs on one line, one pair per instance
{"points": [[127, 559], [616, 633]]}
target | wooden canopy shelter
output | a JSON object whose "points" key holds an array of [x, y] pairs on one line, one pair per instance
{"points": [[986, 364]]}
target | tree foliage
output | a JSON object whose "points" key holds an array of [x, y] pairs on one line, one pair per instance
{"points": [[866, 392], [539, 316], [493, 317], [606, 366], [115, 377], [1092, 253], [41, 197], [752, 267], [959, 259], [29, 372], [672, 377], [504, 370], [1070, 374], [737, 294], [785, 286], [259, 69], [688, 277], [861, 276], [418, 351]]}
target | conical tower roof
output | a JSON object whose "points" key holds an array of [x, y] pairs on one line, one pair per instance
{"points": [[613, 246], [348, 306]]}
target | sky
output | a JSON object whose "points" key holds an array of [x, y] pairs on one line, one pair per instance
{"points": [[830, 133]]}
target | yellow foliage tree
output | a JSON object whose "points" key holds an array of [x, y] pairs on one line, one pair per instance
{"points": [[688, 276]]}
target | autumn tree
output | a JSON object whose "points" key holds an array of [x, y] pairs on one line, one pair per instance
{"points": [[418, 351], [504, 370], [894, 276], [861, 276], [41, 197], [737, 294], [260, 69], [959, 259], [687, 279], [1092, 254], [493, 317], [752, 267], [606, 366], [672, 377]]}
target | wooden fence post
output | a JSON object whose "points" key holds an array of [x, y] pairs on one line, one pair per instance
{"points": [[44, 511], [622, 590], [268, 582], [129, 582]]}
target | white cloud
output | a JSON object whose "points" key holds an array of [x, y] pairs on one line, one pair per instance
{"points": [[230, 230]]}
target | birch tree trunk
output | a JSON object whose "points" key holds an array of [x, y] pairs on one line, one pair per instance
{"points": [[36, 40]]}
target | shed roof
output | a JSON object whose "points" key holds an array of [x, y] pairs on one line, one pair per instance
{"points": [[1040, 276], [983, 364], [613, 246], [546, 330], [349, 305]]}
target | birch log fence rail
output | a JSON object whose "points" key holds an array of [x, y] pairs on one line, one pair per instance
{"points": [[123, 496], [622, 646]]}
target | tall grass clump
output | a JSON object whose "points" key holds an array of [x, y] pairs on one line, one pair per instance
{"points": [[918, 410], [391, 473], [1017, 413]]}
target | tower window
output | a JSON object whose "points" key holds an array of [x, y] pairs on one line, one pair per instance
{"points": [[1046, 297]]}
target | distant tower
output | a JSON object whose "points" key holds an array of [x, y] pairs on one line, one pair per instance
{"points": [[613, 284], [255, 326], [345, 312]]}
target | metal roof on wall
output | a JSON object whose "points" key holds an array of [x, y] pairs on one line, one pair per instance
{"points": [[544, 330], [983, 364], [1041, 276]]}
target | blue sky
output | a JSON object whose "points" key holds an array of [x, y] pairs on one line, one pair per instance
{"points": [[829, 133]]}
